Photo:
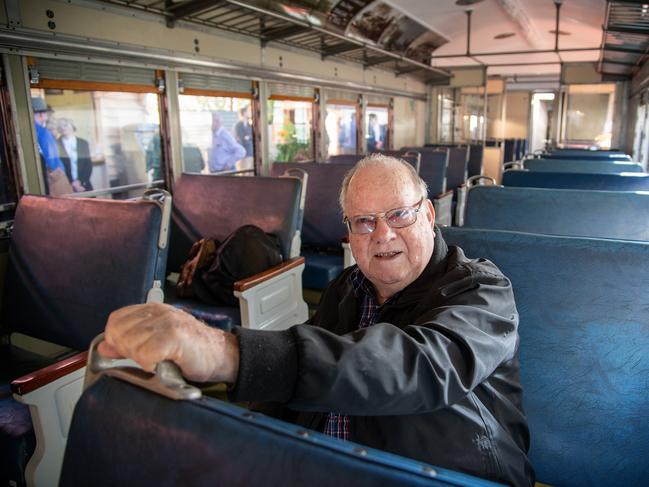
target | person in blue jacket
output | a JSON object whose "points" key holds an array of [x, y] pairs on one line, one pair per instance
{"points": [[47, 146], [225, 151]]}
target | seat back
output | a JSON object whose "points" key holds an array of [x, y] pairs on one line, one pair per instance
{"points": [[605, 214], [215, 205], [476, 154], [586, 154], [584, 334], [73, 261], [323, 226], [602, 182], [456, 174], [509, 150], [581, 166], [162, 442], [433, 166]]}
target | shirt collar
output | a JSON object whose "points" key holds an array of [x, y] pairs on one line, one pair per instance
{"points": [[363, 287]]}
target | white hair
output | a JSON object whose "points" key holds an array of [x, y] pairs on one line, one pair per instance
{"points": [[388, 162]]}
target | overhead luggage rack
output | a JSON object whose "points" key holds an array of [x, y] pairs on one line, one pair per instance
{"points": [[270, 26], [625, 39]]}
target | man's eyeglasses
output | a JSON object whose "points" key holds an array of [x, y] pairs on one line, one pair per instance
{"points": [[395, 218]]}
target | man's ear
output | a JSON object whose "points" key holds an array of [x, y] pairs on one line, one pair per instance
{"points": [[430, 212]]}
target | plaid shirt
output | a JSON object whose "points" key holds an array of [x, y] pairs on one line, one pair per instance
{"points": [[337, 425]]}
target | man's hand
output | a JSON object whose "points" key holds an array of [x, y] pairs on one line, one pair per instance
{"points": [[153, 332]]}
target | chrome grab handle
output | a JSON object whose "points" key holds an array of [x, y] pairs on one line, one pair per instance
{"points": [[166, 380], [480, 180]]}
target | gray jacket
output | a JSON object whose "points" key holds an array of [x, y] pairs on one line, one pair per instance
{"points": [[435, 379]]}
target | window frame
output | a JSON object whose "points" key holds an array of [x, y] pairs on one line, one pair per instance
{"points": [[315, 110], [254, 115], [163, 120]]}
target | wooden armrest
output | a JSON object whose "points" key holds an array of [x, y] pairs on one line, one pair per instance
{"points": [[245, 284], [443, 195], [31, 382]]}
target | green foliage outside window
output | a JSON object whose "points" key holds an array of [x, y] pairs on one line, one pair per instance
{"points": [[291, 150]]}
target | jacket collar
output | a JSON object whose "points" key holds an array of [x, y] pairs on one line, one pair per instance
{"points": [[436, 268]]}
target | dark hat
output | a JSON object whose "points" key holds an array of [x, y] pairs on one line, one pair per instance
{"points": [[39, 105]]}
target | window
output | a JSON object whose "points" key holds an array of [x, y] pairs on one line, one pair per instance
{"points": [[376, 128], [217, 133], [445, 130], [470, 119], [641, 135], [290, 130], [589, 115], [94, 140], [340, 124]]}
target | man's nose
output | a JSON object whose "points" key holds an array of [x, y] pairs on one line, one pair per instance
{"points": [[383, 232]]}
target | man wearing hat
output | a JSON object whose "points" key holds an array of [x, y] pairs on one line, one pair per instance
{"points": [[46, 141]]}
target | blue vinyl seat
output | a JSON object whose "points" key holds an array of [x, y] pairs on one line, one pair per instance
{"points": [[457, 172], [574, 212], [584, 337], [69, 267], [214, 206], [433, 168], [582, 166], [509, 150], [586, 154], [476, 156], [456, 176], [204, 442], [602, 182], [323, 229]]}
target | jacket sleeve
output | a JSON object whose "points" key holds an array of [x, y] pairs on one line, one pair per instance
{"points": [[446, 352], [235, 151]]}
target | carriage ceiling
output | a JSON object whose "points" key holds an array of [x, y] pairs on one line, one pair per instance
{"points": [[424, 38]]}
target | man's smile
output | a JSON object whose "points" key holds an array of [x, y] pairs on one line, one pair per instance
{"points": [[387, 255]]}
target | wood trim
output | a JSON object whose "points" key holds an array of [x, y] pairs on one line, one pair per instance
{"points": [[245, 284], [338, 101], [376, 105], [64, 84], [226, 94], [31, 382], [165, 141], [257, 127], [309, 99], [11, 151], [316, 152]]}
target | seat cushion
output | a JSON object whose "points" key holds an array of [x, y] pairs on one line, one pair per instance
{"points": [[320, 269], [222, 317], [17, 440]]}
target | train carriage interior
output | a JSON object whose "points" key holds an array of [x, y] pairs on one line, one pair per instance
{"points": [[130, 130]]}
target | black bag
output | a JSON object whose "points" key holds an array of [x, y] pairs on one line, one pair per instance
{"points": [[245, 252]]}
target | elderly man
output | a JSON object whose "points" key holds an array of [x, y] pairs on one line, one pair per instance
{"points": [[413, 351]]}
